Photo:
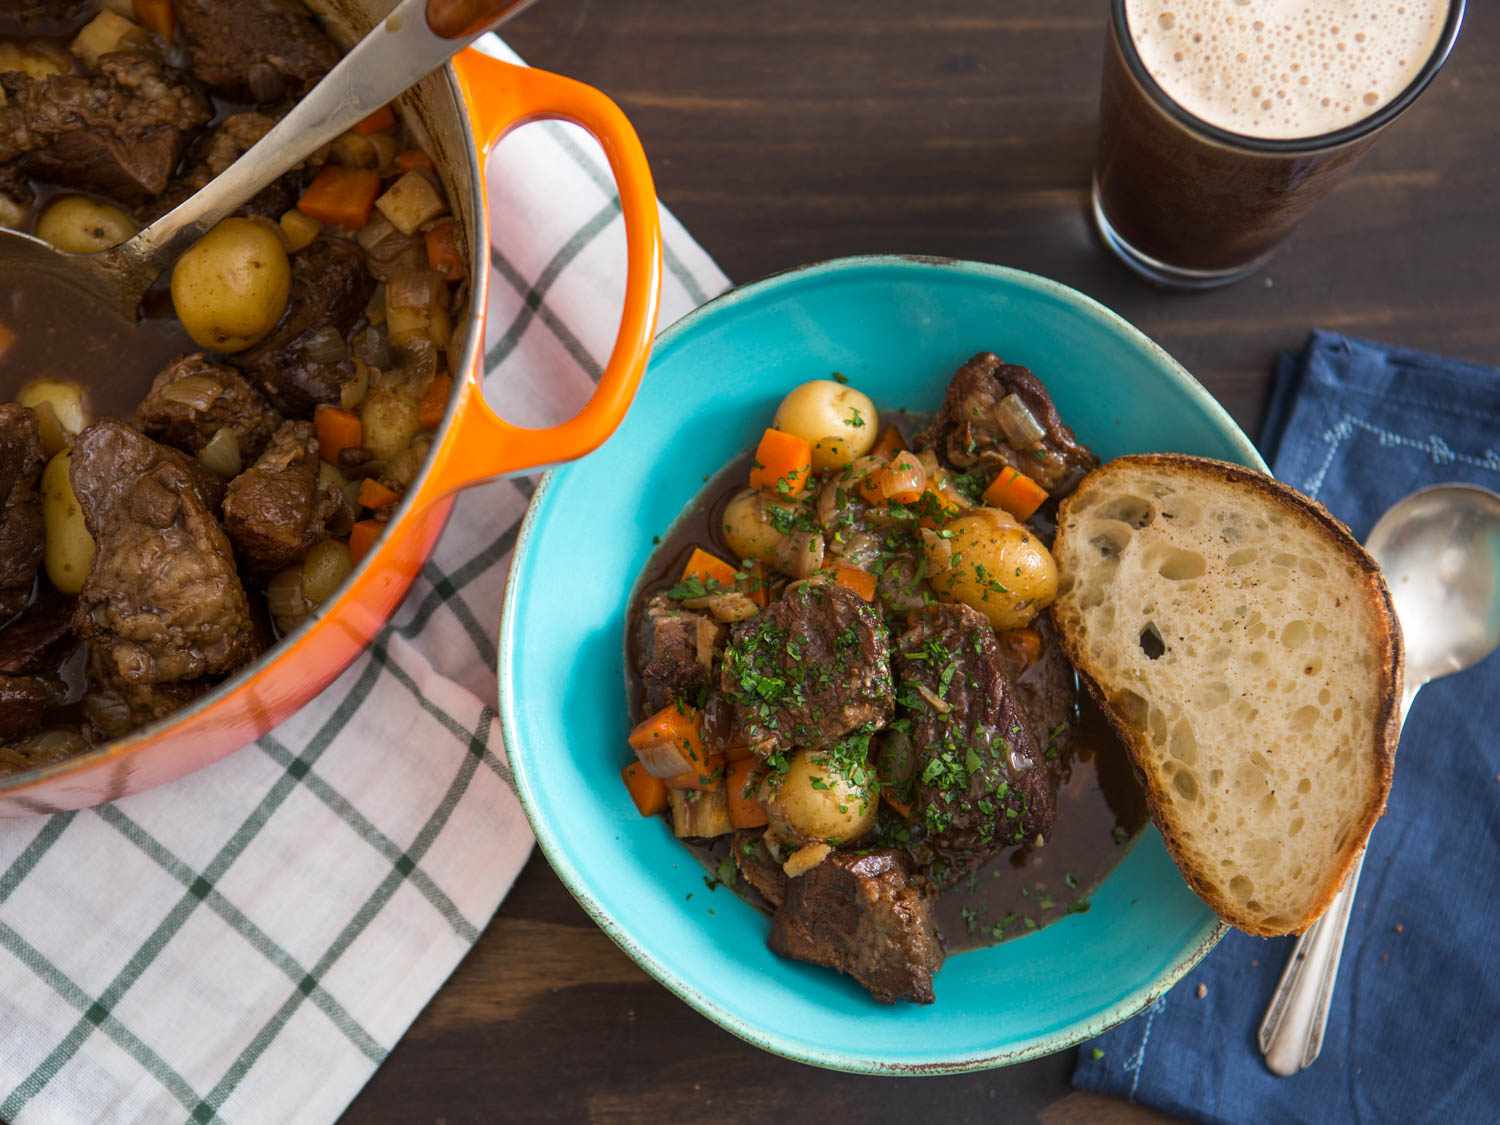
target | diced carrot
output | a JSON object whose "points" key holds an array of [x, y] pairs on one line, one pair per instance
{"points": [[672, 729], [782, 463], [710, 775], [337, 430], [738, 753], [382, 119], [341, 197], [362, 537], [443, 253], [889, 443], [1015, 492], [649, 793], [862, 582], [896, 803], [708, 568], [434, 403], [1026, 644], [902, 481], [156, 15], [374, 495], [745, 809], [413, 158], [757, 584], [947, 500]]}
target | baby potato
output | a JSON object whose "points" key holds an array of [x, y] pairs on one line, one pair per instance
{"points": [[69, 551], [839, 422], [76, 224], [991, 563], [813, 801], [61, 411], [748, 528], [232, 286]]}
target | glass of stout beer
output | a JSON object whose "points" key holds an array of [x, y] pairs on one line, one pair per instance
{"points": [[1224, 121]]}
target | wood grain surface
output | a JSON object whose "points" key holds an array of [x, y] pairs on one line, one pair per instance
{"points": [[787, 131]]}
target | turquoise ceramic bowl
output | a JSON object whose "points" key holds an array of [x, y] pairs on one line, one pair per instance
{"points": [[898, 328]]}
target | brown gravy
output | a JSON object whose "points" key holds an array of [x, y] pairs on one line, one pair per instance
{"points": [[1100, 806]]}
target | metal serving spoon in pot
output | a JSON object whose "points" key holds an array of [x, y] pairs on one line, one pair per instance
{"points": [[415, 39], [1440, 550]]}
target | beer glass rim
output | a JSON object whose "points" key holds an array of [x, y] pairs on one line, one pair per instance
{"points": [[1364, 127]]}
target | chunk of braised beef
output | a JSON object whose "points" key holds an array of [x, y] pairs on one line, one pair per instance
{"points": [[759, 867], [807, 671], [983, 784], [303, 363], [968, 434], [115, 706], [864, 915], [230, 139], [258, 51], [1046, 688], [21, 536], [191, 400], [163, 604], [278, 508], [675, 650], [40, 638], [25, 702], [119, 131]]}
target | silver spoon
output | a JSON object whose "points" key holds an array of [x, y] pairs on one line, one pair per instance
{"points": [[1440, 550], [415, 39]]}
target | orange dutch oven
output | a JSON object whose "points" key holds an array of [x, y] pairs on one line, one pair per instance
{"points": [[459, 113]]}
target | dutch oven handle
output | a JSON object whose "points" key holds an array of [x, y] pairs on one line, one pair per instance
{"points": [[480, 445]]}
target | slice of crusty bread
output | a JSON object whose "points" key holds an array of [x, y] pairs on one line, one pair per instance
{"points": [[1245, 646]]}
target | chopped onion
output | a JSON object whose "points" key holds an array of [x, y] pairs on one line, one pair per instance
{"points": [[288, 605], [936, 702], [805, 858], [352, 393], [800, 554], [663, 759], [324, 345], [369, 345], [222, 453], [198, 392], [708, 639], [1019, 423]]}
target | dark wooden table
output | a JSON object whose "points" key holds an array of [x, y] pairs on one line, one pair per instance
{"points": [[789, 131]]}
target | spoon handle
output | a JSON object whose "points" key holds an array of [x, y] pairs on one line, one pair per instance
{"points": [[397, 52], [1291, 1033]]}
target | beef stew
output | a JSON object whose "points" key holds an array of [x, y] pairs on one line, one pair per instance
{"points": [[180, 492], [847, 696]]}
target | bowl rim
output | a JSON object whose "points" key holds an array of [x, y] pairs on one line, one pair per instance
{"points": [[849, 1061]]}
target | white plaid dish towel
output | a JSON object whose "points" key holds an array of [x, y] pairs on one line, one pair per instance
{"points": [[249, 943]]}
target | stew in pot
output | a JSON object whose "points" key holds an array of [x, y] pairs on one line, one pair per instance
{"points": [[178, 493]]}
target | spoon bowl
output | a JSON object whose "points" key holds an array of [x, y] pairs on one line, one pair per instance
{"points": [[1440, 551]]}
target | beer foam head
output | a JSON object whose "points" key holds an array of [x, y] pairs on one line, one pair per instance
{"points": [[1284, 69]]}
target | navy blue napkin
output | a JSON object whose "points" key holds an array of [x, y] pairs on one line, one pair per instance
{"points": [[1414, 1035]]}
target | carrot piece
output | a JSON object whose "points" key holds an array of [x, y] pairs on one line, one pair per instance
{"points": [[745, 809], [902, 481], [896, 803], [710, 775], [1015, 492], [382, 119], [672, 733], [782, 463], [649, 793], [738, 753], [413, 158], [374, 495], [757, 584], [1026, 644], [443, 253], [362, 537], [889, 443], [434, 403], [337, 430], [708, 568], [156, 15], [341, 197], [862, 582]]}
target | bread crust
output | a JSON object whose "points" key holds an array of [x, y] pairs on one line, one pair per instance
{"points": [[1373, 592]]}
